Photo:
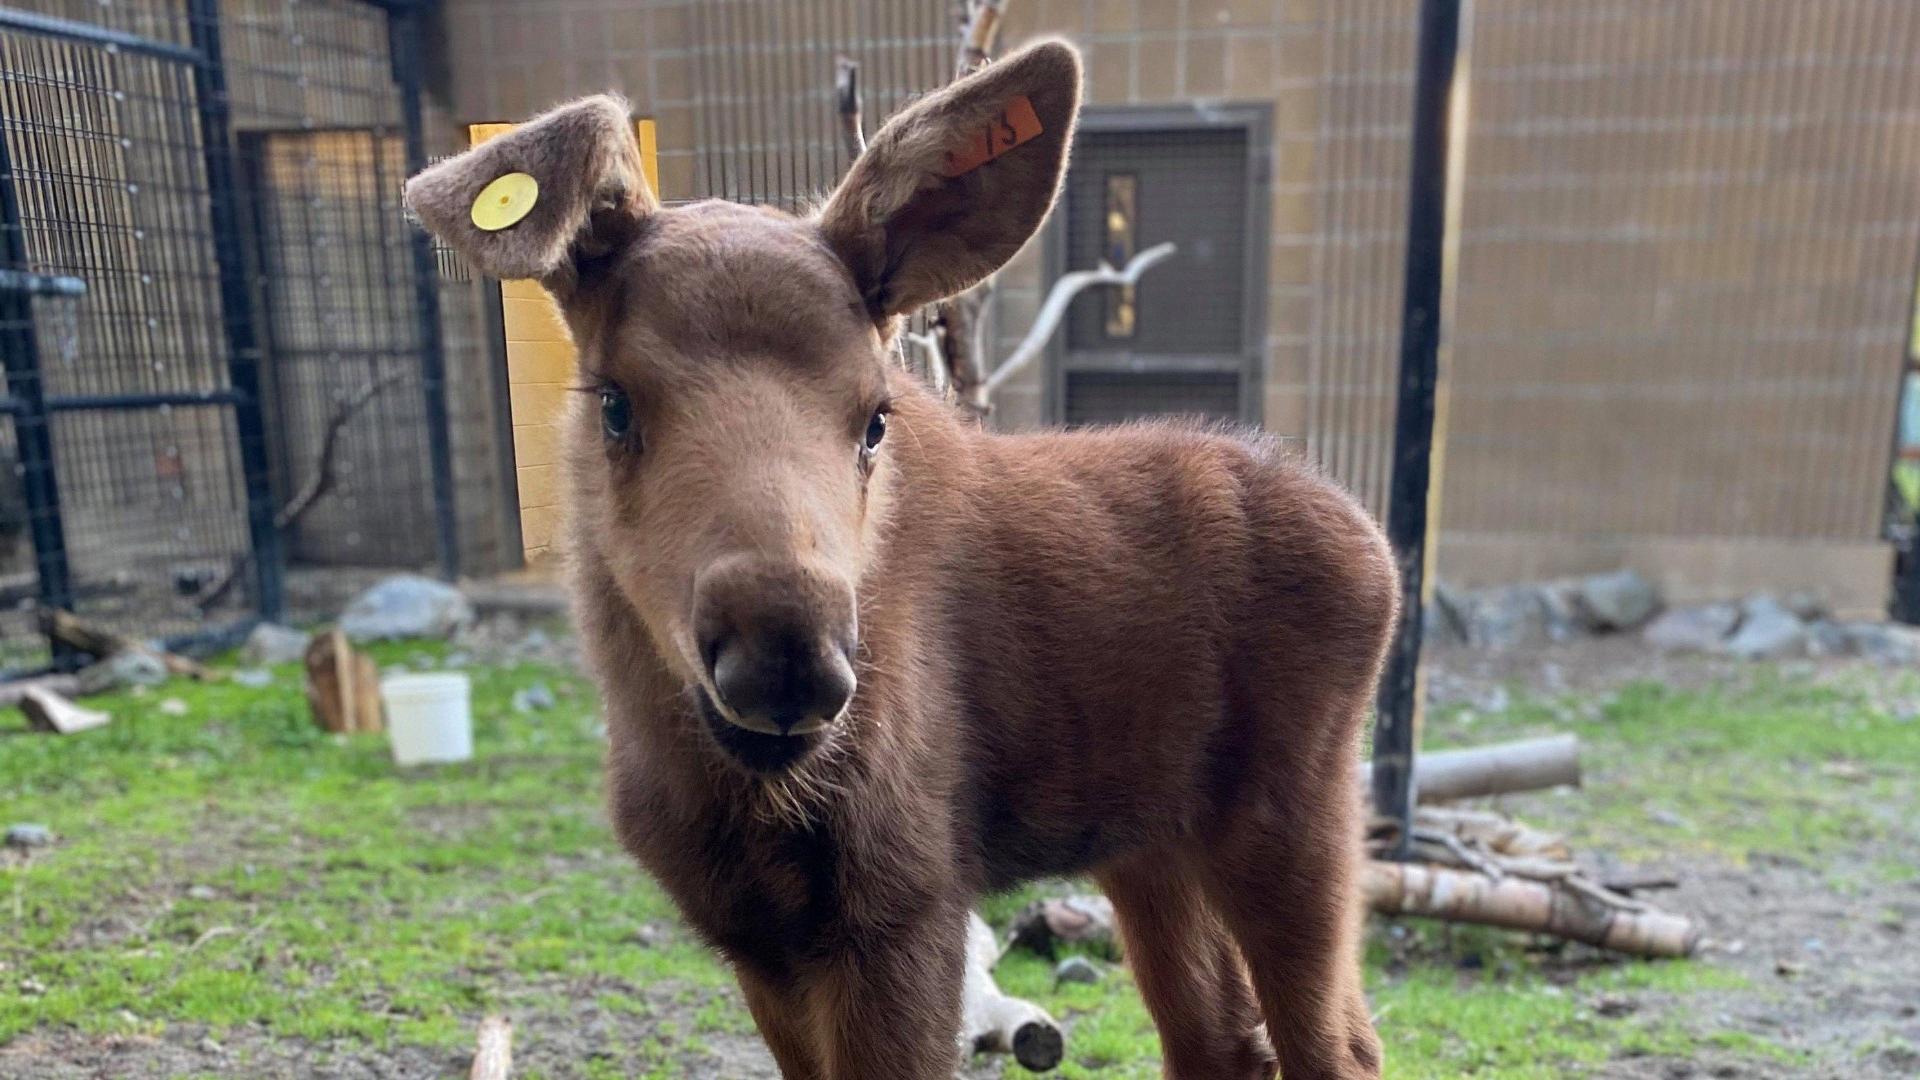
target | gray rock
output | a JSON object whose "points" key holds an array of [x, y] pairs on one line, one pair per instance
{"points": [[1704, 628], [135, 667], [1893, 644], [173, 706], [1509, 617], [1622, 600], [271, 643], [532, 699], [29, 834], [201, 892], [1442, 620], [406, 606], [1767, 631], [253, 678], [1077, 969]]}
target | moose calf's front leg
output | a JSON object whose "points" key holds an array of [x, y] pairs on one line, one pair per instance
{"points": [[889, 1008]]}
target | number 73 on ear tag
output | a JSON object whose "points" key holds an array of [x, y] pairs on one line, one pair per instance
{"points": [[1008, 128]]}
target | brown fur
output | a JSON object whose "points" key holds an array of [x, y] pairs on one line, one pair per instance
{"points": [[1142, 653]]}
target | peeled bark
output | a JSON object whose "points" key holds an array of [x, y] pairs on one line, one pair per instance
{"points": [[1519, 904], [343, 686]]}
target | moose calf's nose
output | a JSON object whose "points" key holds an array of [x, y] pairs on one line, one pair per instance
{"points": [[781, 684]]}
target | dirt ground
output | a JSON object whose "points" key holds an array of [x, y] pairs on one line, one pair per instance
{"points": [[1809, 966]]}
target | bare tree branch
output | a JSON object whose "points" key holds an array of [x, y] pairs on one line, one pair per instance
{"points": [[846, 96], [1055, 307], [979, 33], [317, 484]]}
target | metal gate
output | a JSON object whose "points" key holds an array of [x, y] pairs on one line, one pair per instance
{"points": [[172, 365]]}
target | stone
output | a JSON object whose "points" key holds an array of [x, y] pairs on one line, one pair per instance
{"points": [[29, 834], [1889, 643], [201, 892], [173, 706], [1508, 617], [1622, 600], [1703, 628], [406, 606], [134, 667], [532, 699], [1077, 969], [1767, 631], [1442, 621], [253, 678], [271, 643]]}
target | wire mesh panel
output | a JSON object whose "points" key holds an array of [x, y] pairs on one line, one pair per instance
{"points": [[249, 362], [108, 171], [1357, 245], [764, 73], [1686, 267], [319, 135]]}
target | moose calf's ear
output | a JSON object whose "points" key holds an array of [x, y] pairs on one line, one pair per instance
{"points": [[536, 202], [953, 185]]}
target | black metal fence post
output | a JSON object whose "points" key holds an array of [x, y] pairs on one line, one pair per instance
{"points": [[403, 29], [26, 400], [244, 355], [1394, 731]]}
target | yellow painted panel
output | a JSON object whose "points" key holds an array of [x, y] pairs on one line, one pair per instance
{"points": [[542, 400], [536, 444], [539, 485], [540, 361], [531, 320], [540, 366]]}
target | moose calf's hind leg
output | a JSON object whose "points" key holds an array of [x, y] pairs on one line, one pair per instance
{"points": [[1189, 972], [1289, 895]]}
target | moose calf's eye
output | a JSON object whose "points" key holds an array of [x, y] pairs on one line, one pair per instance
{"points": [[616, 414], [876, 430]]}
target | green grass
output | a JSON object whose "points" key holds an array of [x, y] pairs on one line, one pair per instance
{"points": [[235, 869]]}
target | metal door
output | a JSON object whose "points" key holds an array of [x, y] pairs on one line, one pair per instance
{"points": [[1185, 340]]}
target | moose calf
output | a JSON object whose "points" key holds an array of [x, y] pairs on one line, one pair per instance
{"points": [[864, 662]]}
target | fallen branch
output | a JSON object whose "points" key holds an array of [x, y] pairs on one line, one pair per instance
{"points": [[48, 711], [493, 1050], [1058, 299], [1518, 904], [12, 693], [1501, 769], [90, 637], [319, 482], [996, 1023]]}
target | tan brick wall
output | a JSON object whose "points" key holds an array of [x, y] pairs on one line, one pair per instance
{"points": [[1685, 270]]}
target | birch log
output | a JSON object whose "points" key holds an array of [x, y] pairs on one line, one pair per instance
{"points": [[1519, 904], [1528, 765], [493, 1050], [1000, 1024]]}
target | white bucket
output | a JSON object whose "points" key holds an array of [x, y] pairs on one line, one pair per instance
{"points": [[429, 717]]}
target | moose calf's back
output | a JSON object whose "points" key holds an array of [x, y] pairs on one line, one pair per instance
{"points": [[1120, 602]]}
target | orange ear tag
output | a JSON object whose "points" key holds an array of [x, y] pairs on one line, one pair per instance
{"points": [[505, 201], [1011, 126]]}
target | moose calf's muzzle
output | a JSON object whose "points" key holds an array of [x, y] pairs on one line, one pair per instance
{"points": [[777, 641]]}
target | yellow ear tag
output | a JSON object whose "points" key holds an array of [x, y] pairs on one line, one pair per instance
{"points": [[505, 201]]}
